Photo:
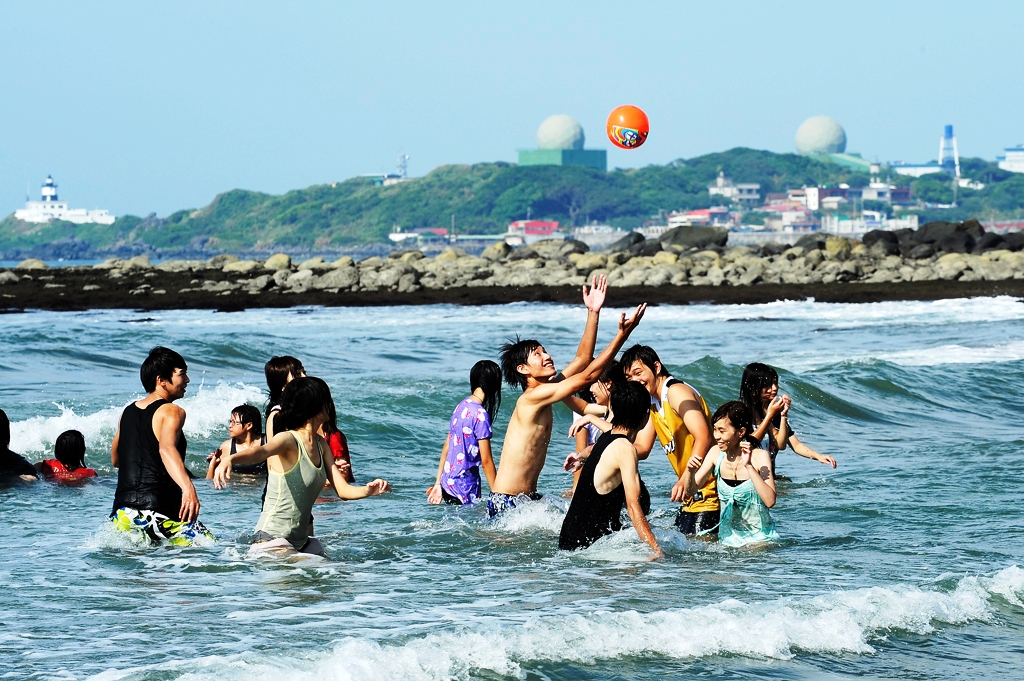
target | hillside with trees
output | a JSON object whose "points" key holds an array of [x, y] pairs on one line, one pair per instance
{"points": [[484, 198]]}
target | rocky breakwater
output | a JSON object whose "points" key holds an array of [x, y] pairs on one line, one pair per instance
{"points": [[684, 265]]}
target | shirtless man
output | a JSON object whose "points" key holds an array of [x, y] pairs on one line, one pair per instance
{"points": [[526, 365]]}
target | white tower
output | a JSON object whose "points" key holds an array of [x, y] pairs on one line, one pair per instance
{"points": [[49, 190], [949, 158]]}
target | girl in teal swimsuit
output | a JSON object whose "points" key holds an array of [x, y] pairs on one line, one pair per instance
{"points": [[746, 486]]}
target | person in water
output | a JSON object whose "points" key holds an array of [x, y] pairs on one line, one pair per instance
{"points": [[585, 429], [525, 364], [155, 496], [681, 421], [610, 479], [245, 428], [298, 465], [68, 464], [759, 390], [468, 445], [13, 467], [743, 474]]}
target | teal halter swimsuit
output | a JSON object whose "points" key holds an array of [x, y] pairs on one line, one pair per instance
{"points": [[745, 518]]}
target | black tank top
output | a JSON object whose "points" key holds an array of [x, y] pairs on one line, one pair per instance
{"points": [[249, 468], [592, 515], [143, 482]]}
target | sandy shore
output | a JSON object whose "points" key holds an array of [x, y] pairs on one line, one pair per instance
{"points": [[72, 289]]}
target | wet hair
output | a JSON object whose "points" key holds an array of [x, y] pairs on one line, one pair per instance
{"points": [[644, 354], [247, 413], [69, 449], [631, 406], [513, 354], [738, 414], [612, 373], [160, 363], [756, 377], [276, 370], [302, 400], [5, 431], [486, 375]]}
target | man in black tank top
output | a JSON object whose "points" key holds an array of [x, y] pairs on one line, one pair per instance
{"points": [[154, 488], [610, 479]]}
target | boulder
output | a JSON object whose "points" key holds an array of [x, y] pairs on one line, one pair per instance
{"points": [[1014, 241], [111, 264], [347, 261], [31, 264], [524, 253], [876, 235], [989, 242], [374, 262], [695, 237], [956, 242], [242, 266], [921, 251], [312, 264], [905, 236], [882, 248], [932, 232], [499, 250], [218, 261], [972, 227], [138, 262], [556, 249], [646, 248], [278, 261], [588, 262], [665, 258], [339, 277], [300, 279], [450, 253], [812, 242], [838, 247], [771, 249], [624, 243], [411, 257], [9, 278]]}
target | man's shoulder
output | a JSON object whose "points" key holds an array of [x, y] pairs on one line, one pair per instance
{"points": [[169, 410]]}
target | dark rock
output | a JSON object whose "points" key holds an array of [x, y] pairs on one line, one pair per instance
{"points": [[624, 243], [695, 237], [524, 253], [648, 247], [972, 227], [957, 242], [905, 236], [770, 249], [989, 242], [934, 231], [1014, 241], [811, 242], [876, 235], [921, 251]]}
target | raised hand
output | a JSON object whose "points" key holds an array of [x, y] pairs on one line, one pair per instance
{"points": [[786, 404], [594, 298], [572, 463], [377, 487], [745, 451], [626, 326]]}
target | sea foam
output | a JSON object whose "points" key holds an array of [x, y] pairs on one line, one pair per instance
{"points": [[833, 623], [206, 413]]}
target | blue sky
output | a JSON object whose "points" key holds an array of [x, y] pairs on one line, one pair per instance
{"points": [[153, 107]]}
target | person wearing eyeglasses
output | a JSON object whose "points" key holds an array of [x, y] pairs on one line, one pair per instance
{"points": [[246, 431]]}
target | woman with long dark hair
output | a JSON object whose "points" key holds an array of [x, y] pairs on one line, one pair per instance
{"points": [[759, 390], [468, 446], [298, 464]]}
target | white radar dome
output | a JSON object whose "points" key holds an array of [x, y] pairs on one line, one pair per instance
{"points": [[560, 132], [820, 135]]}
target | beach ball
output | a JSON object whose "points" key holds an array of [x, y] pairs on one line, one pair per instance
{"points": [[628, 126]]}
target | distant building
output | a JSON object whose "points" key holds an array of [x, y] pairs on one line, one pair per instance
{"points": [[523, 232], [869, 220], [1012, 159], [560, 142], [701, 217], [598, 236], [949, 159], [49, 207], [743, 193]]}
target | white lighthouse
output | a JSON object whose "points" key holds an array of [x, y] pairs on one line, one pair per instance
{"points": [[49, 207]]}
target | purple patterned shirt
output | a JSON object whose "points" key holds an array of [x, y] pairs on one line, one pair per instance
{"points": [[461, 475]]}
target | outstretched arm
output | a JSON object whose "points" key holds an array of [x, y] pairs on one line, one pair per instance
{"points": [[350, 492], [594, 300], [549, 393], [809, 453], [282, 444]]}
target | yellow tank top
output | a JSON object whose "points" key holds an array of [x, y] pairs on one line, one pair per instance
{"points": [[678, 444]]}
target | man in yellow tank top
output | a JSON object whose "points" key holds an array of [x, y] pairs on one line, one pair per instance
{"points": [[681, 421]]}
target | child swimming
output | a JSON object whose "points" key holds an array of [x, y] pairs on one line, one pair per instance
{"points": [[68, 464], [468, 445], [746, 487]]}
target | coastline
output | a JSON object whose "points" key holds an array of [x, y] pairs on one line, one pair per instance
{"points": [[64, 290]]}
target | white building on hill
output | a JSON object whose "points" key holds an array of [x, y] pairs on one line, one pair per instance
{"points": [[49, 207], [1013, 159]]}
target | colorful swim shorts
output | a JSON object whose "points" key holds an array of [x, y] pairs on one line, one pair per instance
{"points": [[157, 527], [499, 503]]}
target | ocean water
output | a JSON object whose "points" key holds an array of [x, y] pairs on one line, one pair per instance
{"points": [[905, 562]]}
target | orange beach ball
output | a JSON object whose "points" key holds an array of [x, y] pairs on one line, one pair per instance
{"points": [[628, 126]]}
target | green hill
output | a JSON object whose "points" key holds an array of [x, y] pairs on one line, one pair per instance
{"points": [[485, 198]]}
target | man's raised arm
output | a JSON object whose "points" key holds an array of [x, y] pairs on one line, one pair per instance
{"points": [[594, 300]]}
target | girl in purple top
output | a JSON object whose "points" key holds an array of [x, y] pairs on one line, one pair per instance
{"points": [[468, 445]]}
